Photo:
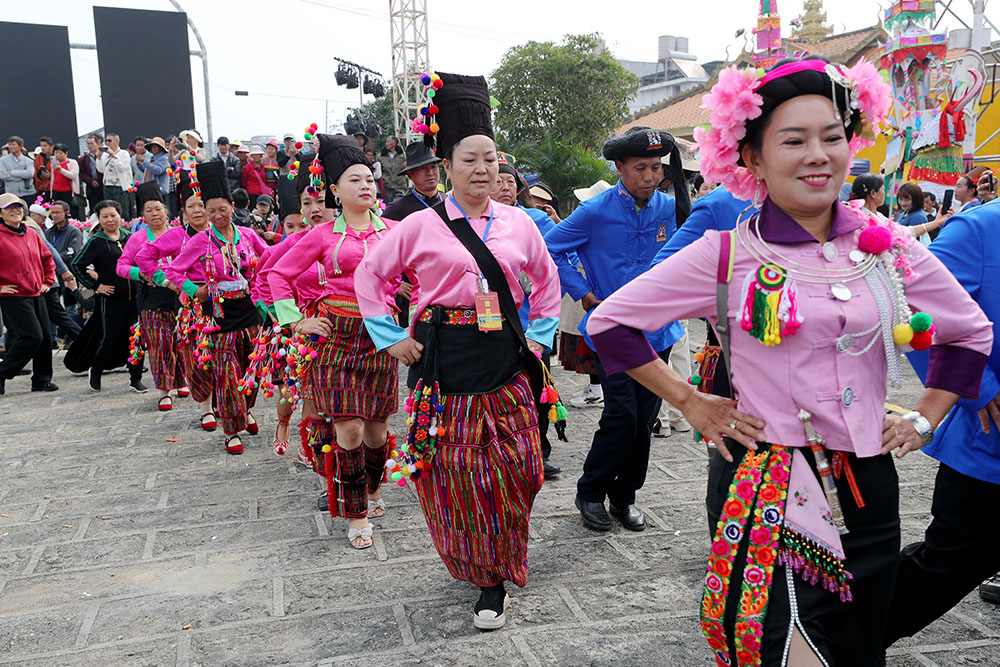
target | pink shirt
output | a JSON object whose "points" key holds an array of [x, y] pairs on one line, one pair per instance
{"points": [[844, 393], [128, 266], [152, 258], [447, 275], [339, 249], [307, 288], [188, 269]]}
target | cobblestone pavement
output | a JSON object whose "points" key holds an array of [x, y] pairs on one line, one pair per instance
{"points": [[129, 537]]}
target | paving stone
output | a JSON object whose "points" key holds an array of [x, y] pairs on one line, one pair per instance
{"points": [[24, 634], [637, 644], [217, 537], [451, 619], [135, 654], [110, 551], [200, 602]]}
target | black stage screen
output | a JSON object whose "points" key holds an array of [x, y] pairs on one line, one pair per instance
{"points": [[37, 85], [145, 67]]}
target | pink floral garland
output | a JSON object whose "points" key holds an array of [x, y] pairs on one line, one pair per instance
{"points": [[734, 101]]}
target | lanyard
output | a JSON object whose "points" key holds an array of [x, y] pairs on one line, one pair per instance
{"points": [[484, 285], [426, 205]]}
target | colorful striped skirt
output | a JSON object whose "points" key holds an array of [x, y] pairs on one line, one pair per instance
{"points": [[482, 482], [351, 379], [164, 355]]}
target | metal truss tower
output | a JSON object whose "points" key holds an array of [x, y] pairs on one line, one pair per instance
{"points": [[408, 29]]}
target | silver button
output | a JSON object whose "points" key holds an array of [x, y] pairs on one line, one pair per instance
{"points": [[844, 343], [847, 398], [857, 256], [830, 251], [841, 292]]}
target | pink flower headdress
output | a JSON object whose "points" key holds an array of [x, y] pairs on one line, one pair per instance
{"points": [[734, 101]]}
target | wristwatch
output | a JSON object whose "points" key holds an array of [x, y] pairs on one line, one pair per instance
{"points": [[923, 426]]}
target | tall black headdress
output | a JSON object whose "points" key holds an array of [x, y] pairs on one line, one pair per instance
{"points": [[338, 152], [461, 108], [148, 191], [213, 180]]}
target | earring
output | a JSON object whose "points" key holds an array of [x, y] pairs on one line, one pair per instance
{"points": [[756, 195]]}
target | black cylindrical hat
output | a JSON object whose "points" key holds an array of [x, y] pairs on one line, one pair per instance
{"points": [[213, 180], [148, 191], [338, 152], [464, 110]]}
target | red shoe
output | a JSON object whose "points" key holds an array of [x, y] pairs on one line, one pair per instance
{"points": [[169, 405], [281, 446], [252, 428], [234, 445], [211, 424], [183, 392]]}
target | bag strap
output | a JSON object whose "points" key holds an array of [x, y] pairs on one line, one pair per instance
{"points": [[489, 267], [727, 256]]}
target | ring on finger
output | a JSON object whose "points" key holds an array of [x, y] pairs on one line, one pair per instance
{"points": [[733, 425]]}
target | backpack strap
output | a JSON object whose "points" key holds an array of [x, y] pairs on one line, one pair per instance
{"points": [[727, 256]]}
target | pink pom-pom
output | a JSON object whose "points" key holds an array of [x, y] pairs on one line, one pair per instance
{"points": [[875, 240]]}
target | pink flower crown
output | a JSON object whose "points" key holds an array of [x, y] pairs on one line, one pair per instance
{"points": [[734, 101]]}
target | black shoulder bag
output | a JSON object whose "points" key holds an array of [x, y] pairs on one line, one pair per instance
{"points": [[490, 268]]}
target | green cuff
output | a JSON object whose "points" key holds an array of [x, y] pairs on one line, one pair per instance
{"points": [[262, 309], [159, 277], [287, 311], [133, 273], [189, 288]]}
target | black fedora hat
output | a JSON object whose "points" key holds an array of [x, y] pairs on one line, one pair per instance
{"points": [[418, 155]]}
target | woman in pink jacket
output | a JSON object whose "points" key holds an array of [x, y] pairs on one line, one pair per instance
{"points": [[215, 269], [351, 383], [815, 301]]}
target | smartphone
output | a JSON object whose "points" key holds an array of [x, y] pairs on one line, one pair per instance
{"points": [[946, 202], [103, 149]]}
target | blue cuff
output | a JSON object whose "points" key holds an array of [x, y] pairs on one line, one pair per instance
{"points": [[543, 330], [384, 331]]}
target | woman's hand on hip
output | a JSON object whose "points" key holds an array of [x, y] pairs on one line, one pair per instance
{"points": [[407, 350], [106, 290], [715, 417], [314, 325]]}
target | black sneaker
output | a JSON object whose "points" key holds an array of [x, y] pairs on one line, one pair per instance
{"points": [[490, 612], [989, 590], [95, 379], [138, 387], [322, 503]]}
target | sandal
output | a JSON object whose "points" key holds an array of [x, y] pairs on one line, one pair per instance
{"points": [[234, 445], [169, 405], [210, 425], [363, 533], [376, 508], [252, 428], [281, 446], [183, 392]]}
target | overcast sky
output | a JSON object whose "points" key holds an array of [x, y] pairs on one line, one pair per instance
{"points": [[262, 46]]}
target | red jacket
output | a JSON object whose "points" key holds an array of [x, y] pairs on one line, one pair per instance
{"points": [[253, 181], [26, 263]]}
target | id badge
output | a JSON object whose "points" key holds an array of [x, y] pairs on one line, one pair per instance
{"points": [[488, 314], [661, 234]]}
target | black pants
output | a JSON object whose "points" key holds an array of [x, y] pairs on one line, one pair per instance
{"points": [[67, 197], [846, 634], [961, 548], [58, 316], [619, 454], [94, 195], [124, 198], [118, 316], [27, 323]]}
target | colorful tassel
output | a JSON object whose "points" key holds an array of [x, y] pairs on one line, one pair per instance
{"points": [[770, 308]]}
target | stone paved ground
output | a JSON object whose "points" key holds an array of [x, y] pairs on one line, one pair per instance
{"points": [[122, 546]]}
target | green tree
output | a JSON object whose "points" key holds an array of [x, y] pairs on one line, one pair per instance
{"points": [[380, 110], [574, 91], [563, 168]]}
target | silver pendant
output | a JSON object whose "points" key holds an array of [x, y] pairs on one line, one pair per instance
{"points": [[857, 256], [841, 292], [829, 252], [844, 343]]}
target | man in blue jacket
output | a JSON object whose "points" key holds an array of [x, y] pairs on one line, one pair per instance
{"points": [[961, 546], [615, 235]]}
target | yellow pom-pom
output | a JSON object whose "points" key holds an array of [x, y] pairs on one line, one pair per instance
{"points": [[327, 449], [902, 334]]}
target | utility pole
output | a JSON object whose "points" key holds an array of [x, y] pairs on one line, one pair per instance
{"points": [[410, 59]]}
